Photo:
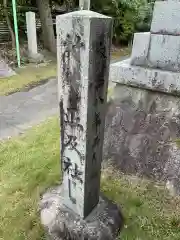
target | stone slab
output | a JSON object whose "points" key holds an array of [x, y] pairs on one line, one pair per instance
{"points": [[154, 79], [61, 223], [140, 48], [164, 52], [166, 18]]}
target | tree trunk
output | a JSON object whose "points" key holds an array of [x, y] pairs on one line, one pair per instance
{"points": [[8, 21], [47, 25]]}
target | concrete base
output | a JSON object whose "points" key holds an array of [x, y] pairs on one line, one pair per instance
{"points": [[61, 223], [147, 78], [35, 58]]}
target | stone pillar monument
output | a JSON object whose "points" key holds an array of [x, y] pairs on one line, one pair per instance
{"points": [[31, 33], [75, 210], [84, 40]]}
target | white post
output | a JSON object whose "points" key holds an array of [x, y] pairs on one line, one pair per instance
{"points": [[31, 33], [84, 40], [84, 4]]}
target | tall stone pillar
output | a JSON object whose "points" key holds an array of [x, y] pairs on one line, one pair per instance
{"points": [[83, 52], [84, 40]]}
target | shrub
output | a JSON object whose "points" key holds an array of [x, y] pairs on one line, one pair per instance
{"points": [[129, 16]]}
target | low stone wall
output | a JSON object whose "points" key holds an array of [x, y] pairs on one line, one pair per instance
{"points": [[142, 127]]}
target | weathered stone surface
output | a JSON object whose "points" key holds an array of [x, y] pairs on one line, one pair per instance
{"points": [[61, 223], [143, 122], [140, 48], [141, 129], [84, 39], [154, 79], [164, 52], [166, 18]]}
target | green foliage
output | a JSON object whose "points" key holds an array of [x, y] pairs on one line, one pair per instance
{"points": [[31, 163], [22, 7], [129, 16]]}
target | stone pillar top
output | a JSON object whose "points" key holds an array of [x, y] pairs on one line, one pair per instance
{"points": [[84, 14]]}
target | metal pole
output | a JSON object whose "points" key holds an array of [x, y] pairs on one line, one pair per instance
{"points": [[16, 32]]}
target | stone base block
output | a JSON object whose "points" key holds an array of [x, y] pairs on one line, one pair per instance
{"points": [[61, 223], [140, 48], [149, 78], [164, 52]]}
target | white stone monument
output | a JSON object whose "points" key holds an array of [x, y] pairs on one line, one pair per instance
{"points": [[155, 58], [84, 4], [75, 210], [31, 33]]}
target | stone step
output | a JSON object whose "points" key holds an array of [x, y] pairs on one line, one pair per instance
{"points": [[154, 79], [156, 51], [164, 52]]}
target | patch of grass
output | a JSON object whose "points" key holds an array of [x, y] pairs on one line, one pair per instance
{"points": [[30, 164], [26, 77], [120, 52], [150, 213], [34, 75]]}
